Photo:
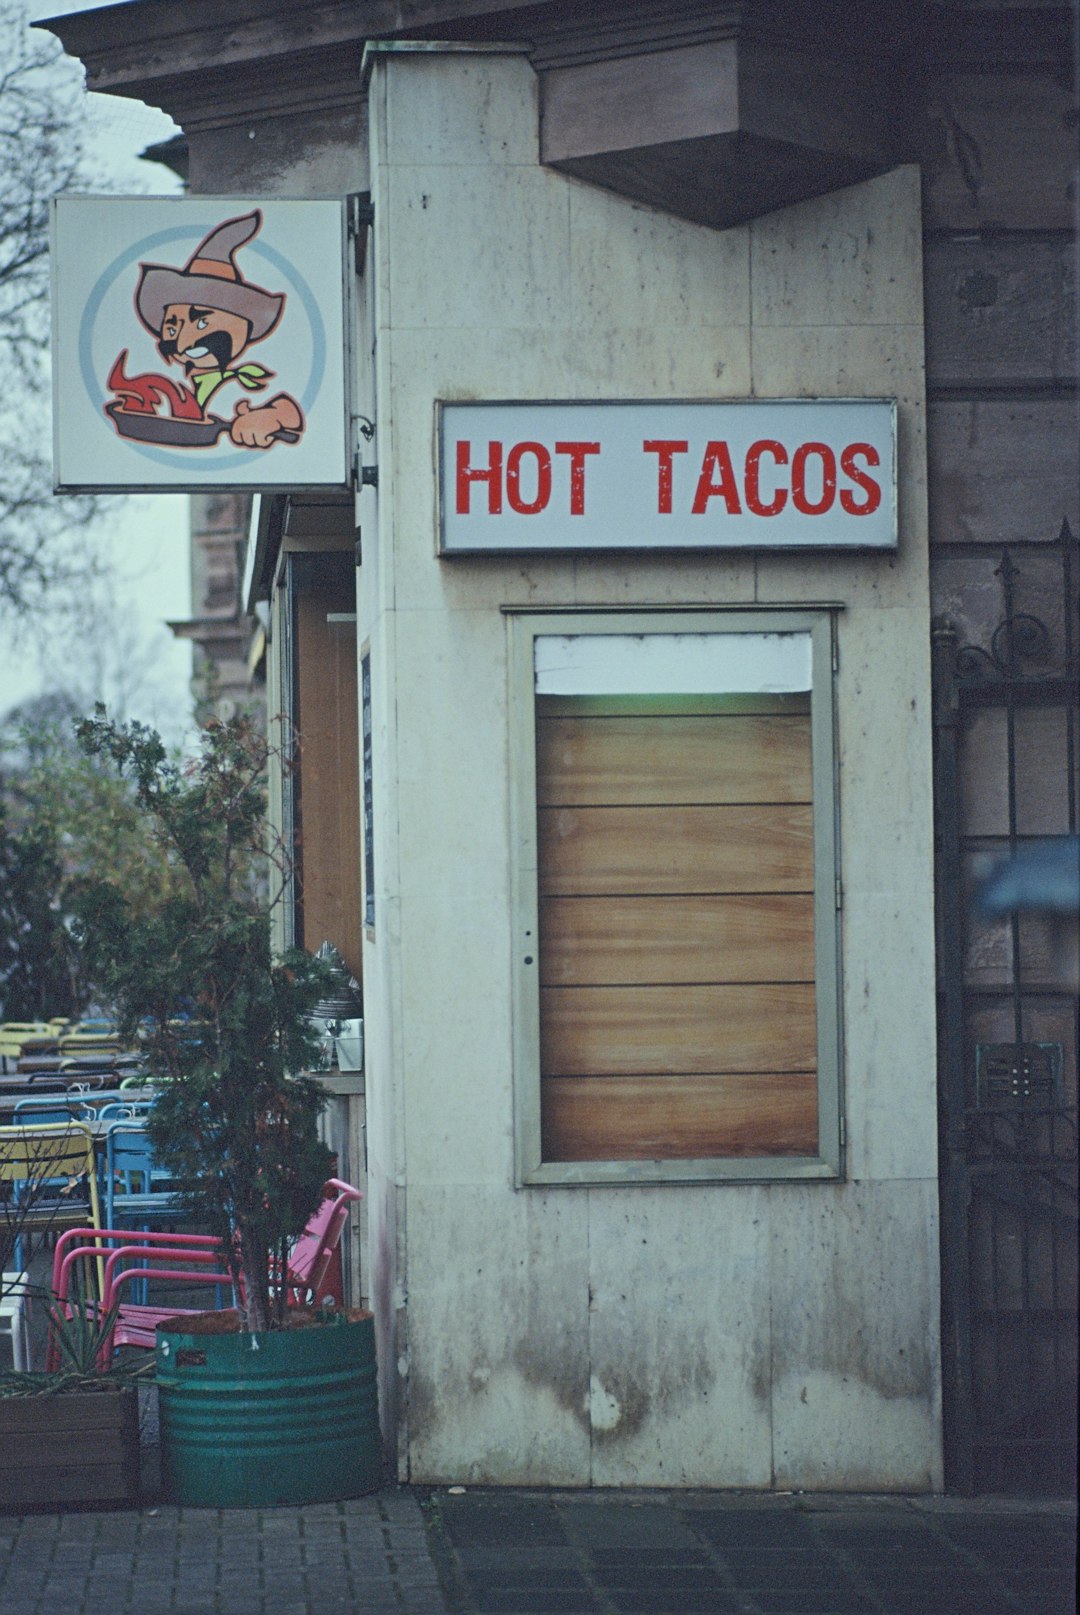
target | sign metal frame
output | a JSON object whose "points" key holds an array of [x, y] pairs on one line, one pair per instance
{"points": [[100, 263], [657, 532]]}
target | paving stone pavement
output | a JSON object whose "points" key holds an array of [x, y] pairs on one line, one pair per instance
{"points": [[368, 1556], [431, 1551], [538, 1553]]}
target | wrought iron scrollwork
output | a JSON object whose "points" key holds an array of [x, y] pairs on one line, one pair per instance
{"points": [[1015, 641], [1021, 646]]}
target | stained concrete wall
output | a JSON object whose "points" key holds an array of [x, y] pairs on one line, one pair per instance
{"points": [[757, 1335]]}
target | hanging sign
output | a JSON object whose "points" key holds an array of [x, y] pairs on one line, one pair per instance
{"points": [[198, 343], [753, 474]]}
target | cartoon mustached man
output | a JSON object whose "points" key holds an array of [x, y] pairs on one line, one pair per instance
{"points": [[206, 316]]}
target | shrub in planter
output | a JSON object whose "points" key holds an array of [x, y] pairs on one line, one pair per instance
{"points": [[226, 1023], [295, 1421]]}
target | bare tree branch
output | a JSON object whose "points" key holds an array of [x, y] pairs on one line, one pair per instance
{"points": [[43, 547]]}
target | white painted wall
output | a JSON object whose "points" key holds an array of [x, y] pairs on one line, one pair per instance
{"points": [[715, 1335]]}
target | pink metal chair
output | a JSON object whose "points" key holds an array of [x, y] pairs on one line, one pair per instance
{"points": [[188, 1259], [310, 1257], [80, 1249]]}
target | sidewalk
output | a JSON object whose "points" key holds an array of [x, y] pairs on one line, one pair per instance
{"points": [[366, 1556], [681, 1553], [436, 1552]]}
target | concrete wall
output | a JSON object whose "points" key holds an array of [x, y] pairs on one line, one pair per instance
{"points": [[759, 1335]]}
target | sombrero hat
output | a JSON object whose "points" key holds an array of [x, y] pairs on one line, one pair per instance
{"points": [[211, 278]]}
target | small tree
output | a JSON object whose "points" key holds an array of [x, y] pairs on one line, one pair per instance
{"points": [[62, 814], [225, 1023]]}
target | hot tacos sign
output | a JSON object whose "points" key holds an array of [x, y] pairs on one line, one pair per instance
{"points": [[198, 344]]}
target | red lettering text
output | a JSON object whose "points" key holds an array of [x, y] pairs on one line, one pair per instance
{"points": [[577, 453], [752, 488], [528, 507], [666, 449], [468, 474], [799, 496], [870, 487], [717, 480]]}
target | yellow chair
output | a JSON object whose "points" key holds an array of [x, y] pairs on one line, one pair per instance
{"points": [[42, 1171], [14, 1033], [89, 1042]]}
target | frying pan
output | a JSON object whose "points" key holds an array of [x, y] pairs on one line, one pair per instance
{"points": [[177, 433]]}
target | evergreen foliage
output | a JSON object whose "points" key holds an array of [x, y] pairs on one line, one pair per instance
{"points": [[62, 814], [225, 1025]]}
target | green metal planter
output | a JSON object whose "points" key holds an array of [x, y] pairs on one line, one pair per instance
{"points": [[253, 1420]]}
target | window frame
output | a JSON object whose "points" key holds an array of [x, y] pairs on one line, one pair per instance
{"points": [[524, 626]]}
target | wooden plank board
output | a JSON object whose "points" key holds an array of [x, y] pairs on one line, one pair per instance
{"points": [[651, 940], [329, 795], [628, 851], [82, 1414], [614, 1031], [678, 1118], [38, 1487], [643, 759], [74, 1447], [66, 1449], [784, 703]]}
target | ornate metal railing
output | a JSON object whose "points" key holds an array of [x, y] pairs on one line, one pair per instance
{"points": [[1008, 1045]]}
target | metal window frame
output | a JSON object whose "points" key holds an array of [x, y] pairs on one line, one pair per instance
{"points": [[524, 627]]}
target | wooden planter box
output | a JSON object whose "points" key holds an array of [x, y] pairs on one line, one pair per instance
{"points": [[69, 1448]]}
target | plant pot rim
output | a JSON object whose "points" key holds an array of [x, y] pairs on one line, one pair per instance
{"points": [[227, 1321]]}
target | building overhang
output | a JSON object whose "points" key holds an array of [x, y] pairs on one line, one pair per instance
{"points": [[715, 112], [719, 131]]}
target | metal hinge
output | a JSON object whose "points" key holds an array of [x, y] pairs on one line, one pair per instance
{"points": [[360, 216], [839, 894], [843, 1133], [363, 476]]}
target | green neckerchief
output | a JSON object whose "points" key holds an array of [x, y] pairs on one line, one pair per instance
{"points": [[253, 377]]}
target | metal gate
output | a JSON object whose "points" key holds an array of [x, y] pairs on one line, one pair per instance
{"points": [[1006, 762]]}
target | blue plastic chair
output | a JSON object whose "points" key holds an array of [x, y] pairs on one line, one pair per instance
{"points": [[57, 1107], [137, 1190], [124, 1110]]}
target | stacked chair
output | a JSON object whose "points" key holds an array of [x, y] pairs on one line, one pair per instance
{"points": [[49, 1176], [132, 1259], [48, 1184]]}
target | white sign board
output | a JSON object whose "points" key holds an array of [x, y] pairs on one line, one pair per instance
{"points": [[198, 343], [752, 474]]}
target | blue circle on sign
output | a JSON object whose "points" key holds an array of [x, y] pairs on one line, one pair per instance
{"points": [[284, 270]]}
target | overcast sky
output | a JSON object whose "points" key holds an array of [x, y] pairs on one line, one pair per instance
{"points": [[148, 542]]}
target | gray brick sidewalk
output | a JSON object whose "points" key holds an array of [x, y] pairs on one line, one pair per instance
{"points": [[439, 1552], [598, 1554], [365, 1557]]}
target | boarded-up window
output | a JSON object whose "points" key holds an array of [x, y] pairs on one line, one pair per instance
{"points": [[676, 859], [677, 862]]}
